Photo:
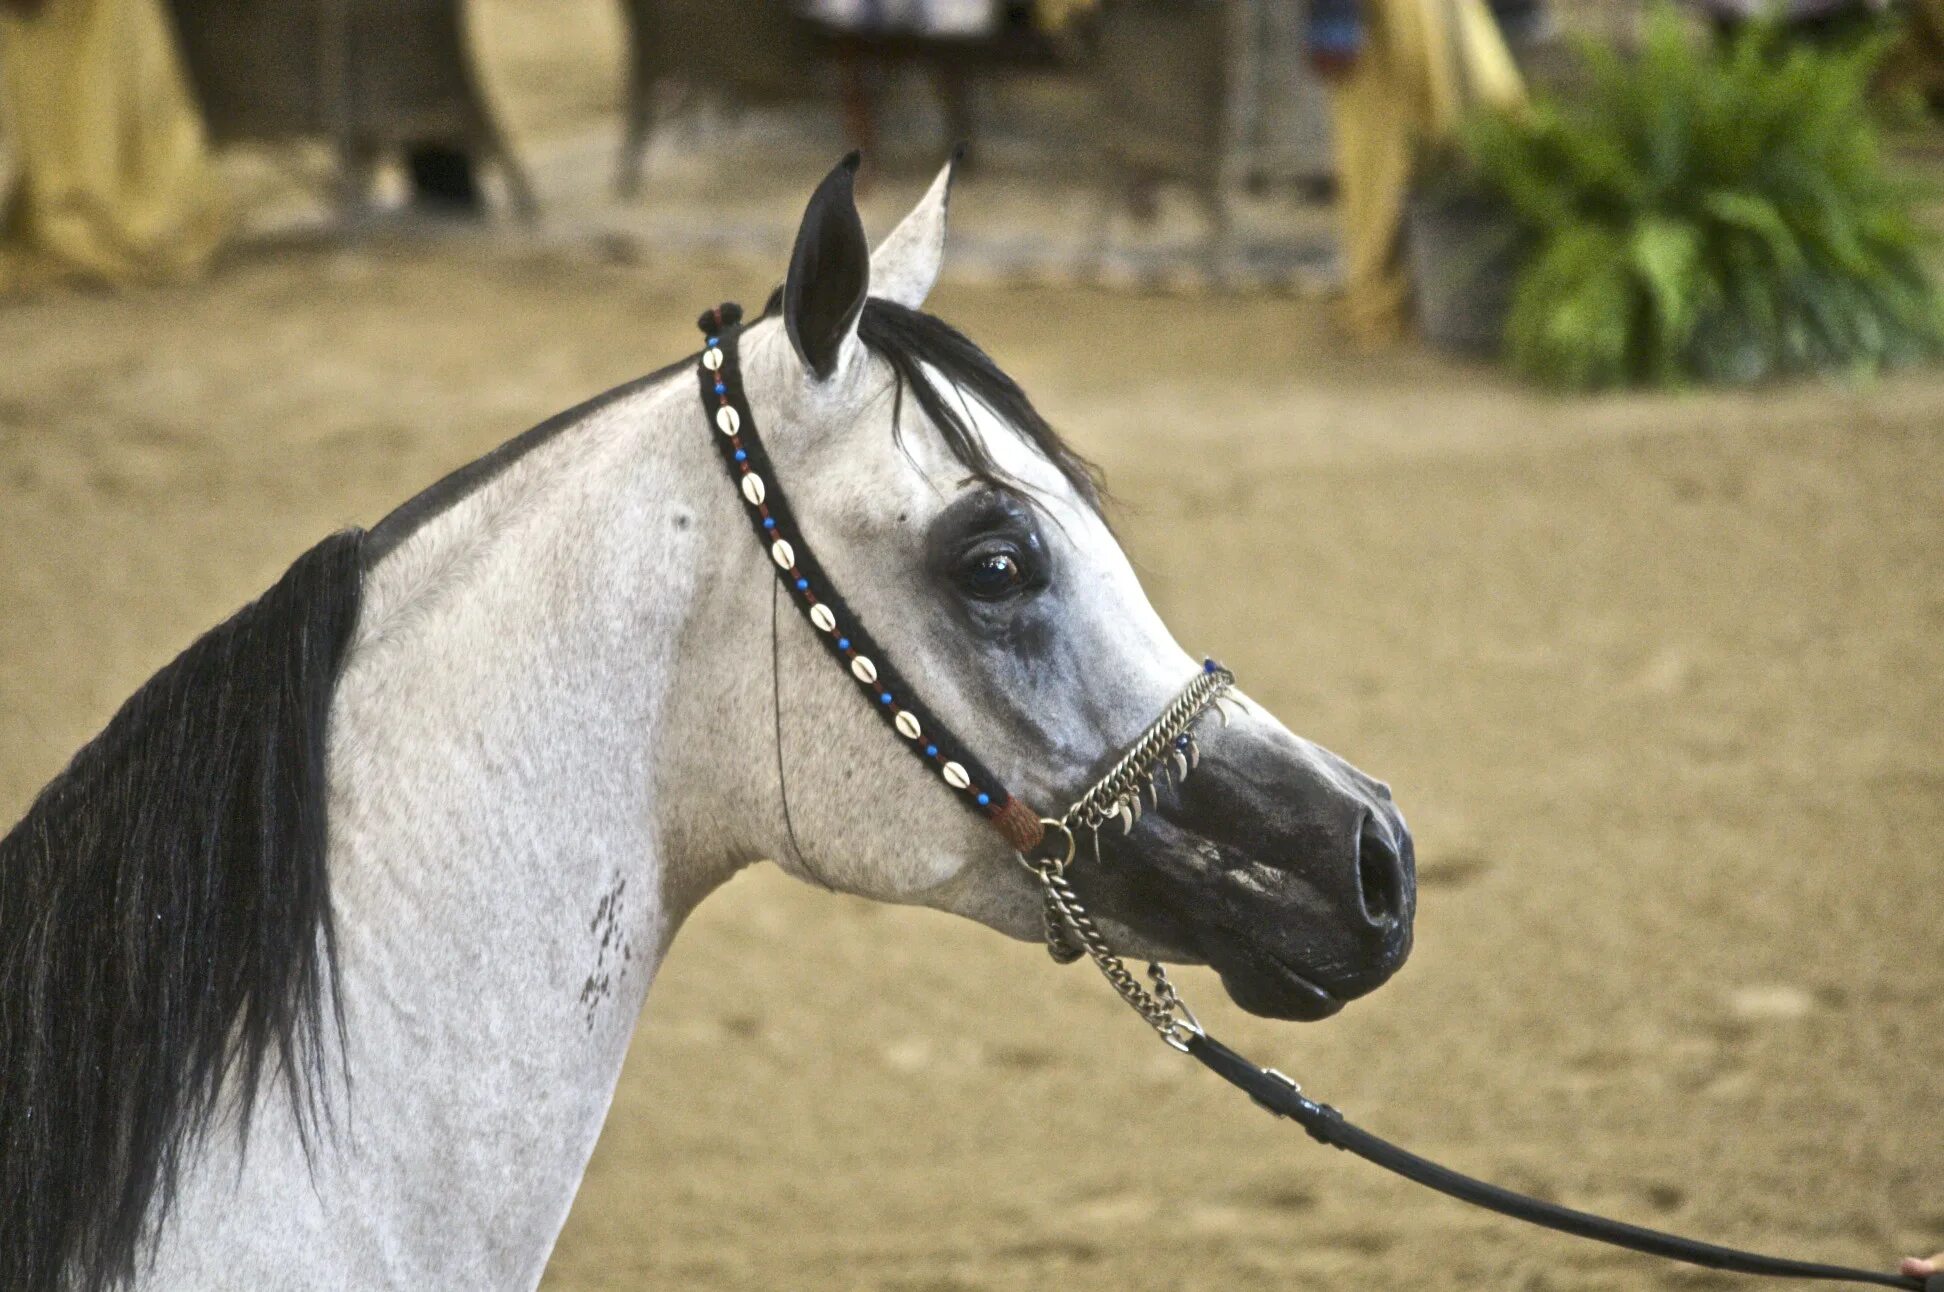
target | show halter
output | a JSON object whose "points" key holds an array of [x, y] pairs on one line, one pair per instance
{"points": [[1047, 845], [840, 630]]}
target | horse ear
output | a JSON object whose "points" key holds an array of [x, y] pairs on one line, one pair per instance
{"points": [[905, 265], [830, 273]]}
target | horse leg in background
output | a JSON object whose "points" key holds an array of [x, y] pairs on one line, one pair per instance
{"points": [[644, 29], [444, 180], [855, 71], [955, 101]]}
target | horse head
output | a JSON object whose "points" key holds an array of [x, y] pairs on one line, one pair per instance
{"points": [[972, 541]]}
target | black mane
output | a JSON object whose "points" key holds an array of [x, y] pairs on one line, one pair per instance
{"points": [[911, 340], [165, 924]]}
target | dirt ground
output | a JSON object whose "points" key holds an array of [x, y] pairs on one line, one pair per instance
{"points": [[1659, 681]]}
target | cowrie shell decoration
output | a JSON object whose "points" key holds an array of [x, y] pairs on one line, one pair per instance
{"points": [[752, 487], [782, 553], [907, 725], [820, 616], [955, 776], [865, 670], [728, 420], [712, 358]]}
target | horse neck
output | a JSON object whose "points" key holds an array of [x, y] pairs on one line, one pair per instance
{"points": [[523, 806]]}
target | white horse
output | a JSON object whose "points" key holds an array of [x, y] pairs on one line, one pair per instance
{"points": [[318, 966]]}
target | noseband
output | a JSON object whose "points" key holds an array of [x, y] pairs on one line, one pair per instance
{"points": [[1047, 845]]}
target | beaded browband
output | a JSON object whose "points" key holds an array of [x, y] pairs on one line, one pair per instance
{"points": [[1167, 743]]}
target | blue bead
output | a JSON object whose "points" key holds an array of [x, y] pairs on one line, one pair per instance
{"points": [[714, 341], [769, 522], [1209, 666], [984, 799], [843, 643], [802, 584], [884, 697], [742, 455], [721, 389], [1181, 742], [931, 751]]}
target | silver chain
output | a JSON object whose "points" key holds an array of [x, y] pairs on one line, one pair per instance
{"points": [[1162, 1007], [1137, 767], [1070, 931]]}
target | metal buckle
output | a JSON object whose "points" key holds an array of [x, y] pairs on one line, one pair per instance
{"points": [[1057, 866], [1286, 1080], [1184, 1026]]}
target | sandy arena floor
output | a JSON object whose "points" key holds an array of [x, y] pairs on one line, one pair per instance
{"points": [[1658, 681]]}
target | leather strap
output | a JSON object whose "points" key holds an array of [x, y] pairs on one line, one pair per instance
{"points": [[1326, 1125]]}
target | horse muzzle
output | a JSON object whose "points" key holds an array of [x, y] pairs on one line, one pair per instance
{"points": [[1283, 867]]}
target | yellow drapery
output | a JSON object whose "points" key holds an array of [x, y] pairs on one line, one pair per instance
{"points": [[115, 183], [1425, 63]]}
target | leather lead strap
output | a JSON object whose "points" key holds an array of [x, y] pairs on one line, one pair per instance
{"points": [[1328, 1126]]}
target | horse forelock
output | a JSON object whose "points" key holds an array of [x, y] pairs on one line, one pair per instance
{"points": [[918, 345], [921, 347]]}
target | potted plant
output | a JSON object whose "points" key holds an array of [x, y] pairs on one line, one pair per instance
{"points": [[1464, 247], [1706, 212]]}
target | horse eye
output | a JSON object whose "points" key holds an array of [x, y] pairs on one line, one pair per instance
{"points": [[992, 575]]}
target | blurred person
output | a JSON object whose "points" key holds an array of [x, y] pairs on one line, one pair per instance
{"points": [[949, 39], [1521, 21], [114, 181], [1403, 73], [959, 18], [857, 24]]}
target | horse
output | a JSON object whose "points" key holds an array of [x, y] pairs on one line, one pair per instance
{"points": [[319, 963]]}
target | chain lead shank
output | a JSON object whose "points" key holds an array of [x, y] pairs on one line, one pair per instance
{"points": [[1070, 931], [1162, 1008]]}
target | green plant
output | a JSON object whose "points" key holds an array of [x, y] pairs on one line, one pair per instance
{"points": [[1707, 213]]}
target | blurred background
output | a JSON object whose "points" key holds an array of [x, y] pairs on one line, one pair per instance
{"points": [[1533, 401]]}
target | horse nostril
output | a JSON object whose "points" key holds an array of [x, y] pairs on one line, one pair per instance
{"points": [[1380, 874]]}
